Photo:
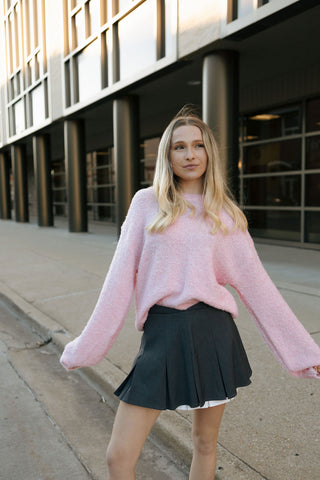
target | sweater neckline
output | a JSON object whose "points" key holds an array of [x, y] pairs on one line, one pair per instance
{"points": [[193, 196]]}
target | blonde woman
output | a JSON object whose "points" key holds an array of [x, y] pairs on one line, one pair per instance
{"points": [[185, 239]]}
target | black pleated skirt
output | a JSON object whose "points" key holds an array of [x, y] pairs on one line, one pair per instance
{"points": [[187, 357]]}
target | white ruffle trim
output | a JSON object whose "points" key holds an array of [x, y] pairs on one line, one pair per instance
{"points": [[209, 403]]}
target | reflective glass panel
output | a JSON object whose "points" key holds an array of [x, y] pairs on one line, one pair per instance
{"points": [[312, 227], [38, 105], [272, 157], [93, 10], [74, 3], [313, 190], [89, 71], [313, 115], [78, 29], [272, 123], [170, 27], [313, 152], [275, 191], [123, 4], [245, 7], [274, 224], [19, 116], [137, 39]]}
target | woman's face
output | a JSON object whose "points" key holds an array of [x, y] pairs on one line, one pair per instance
{"points": [[188, 158]]}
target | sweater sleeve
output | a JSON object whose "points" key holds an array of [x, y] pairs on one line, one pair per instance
{"points": [[284, 334], [115, 297]]}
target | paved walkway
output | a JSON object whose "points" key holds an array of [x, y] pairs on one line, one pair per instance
{"points": [[271, 430]]}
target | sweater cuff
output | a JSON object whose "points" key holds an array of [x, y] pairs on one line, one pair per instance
{"points": [[306, 373]]}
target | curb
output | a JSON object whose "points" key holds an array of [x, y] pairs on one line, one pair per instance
{"points": [[171, 432]]}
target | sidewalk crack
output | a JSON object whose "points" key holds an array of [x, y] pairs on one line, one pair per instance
{"points": [[32, 346]]}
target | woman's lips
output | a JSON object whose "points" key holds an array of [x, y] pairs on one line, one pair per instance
{"points": [[190, 167]]}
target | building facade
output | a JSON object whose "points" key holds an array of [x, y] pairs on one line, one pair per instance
{"points": [[87, 87]]}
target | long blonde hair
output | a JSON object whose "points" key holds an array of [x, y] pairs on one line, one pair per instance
{"points": [[216, 194]]}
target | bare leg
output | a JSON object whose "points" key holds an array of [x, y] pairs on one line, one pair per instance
{"points": [[205, 429], [130, 430]]}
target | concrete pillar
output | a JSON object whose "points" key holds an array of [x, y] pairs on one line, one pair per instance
{"points": [[20, 182], [41, 157], [75, 158], [126, 152], [221, 109], [5, 201]]}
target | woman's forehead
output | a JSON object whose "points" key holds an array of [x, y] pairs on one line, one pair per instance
{"points": [[186, 133]]}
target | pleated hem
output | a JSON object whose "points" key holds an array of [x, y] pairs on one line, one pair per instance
{"points": [[187, 357]]}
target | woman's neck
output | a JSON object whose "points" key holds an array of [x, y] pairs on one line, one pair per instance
{"points": [[194, 188]]}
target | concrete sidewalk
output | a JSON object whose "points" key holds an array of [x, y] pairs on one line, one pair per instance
{"points": [[271, 430]]}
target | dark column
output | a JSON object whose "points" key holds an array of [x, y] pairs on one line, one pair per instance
{"points": [[221, 109], [75, 158], [126, 152], [20, 180], [41, 156], [5, 201]]}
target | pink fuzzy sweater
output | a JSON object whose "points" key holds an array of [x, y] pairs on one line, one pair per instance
{"points": [[180, 267]]}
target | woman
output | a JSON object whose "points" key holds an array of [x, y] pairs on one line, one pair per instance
{"points": [[183, 240]]}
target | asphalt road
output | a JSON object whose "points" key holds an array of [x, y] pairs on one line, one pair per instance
{"points": [[53, 426]]}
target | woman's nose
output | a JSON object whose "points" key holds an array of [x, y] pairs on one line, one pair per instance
{"points": [[190, 153]]}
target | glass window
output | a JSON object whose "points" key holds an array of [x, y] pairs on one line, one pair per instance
{"points": [[12, 41], [274, 224], [104, 59], [67, 83], [93, 10], [276, 191], [149, 150], [123, 4], [36, 11], [38, 105], [17, 35], [59, 192], [74, 3], [78, 29], [170, 27], [272, 157], [313, 152], [89, 71], [245, 7], [272, 123], [19, 116], [137, 39], [313, 115], [312, 227], [101, 186], [313, 190]]}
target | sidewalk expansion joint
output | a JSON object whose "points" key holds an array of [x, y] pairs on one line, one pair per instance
{"points": [[66, 295], [244, 462]]}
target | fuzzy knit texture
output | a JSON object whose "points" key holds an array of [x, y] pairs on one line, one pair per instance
{"points": [[179, 267]]}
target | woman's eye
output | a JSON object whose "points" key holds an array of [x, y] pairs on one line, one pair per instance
{"points": [[178, 147], [200, 145]]}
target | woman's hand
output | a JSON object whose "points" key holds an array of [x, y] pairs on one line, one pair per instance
{"points": [[317, 368]]}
